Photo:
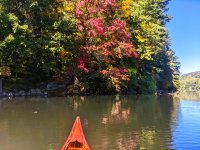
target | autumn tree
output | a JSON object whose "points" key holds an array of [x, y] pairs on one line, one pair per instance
{"points": [[103, 47], [147, 20], [33, 34], [105, 43]]}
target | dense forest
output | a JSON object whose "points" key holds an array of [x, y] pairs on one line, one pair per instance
{"points": [[90, 46]]}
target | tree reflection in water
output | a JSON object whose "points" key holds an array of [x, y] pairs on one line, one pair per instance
{"points": [[189, 95], [109, 122], [1, 104], [118, 114]]}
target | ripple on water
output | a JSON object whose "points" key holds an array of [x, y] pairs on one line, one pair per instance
{"points": [[140, 123], [186, 133]]}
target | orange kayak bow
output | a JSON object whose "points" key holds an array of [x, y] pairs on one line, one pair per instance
{"points": [[76, 139]]}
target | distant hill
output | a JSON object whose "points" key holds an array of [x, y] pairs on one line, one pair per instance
{"points": [[192, 74], [190, 82]]}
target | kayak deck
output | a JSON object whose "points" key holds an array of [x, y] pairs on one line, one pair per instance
{"points": [[76, 139]]}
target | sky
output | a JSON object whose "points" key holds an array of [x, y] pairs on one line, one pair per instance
{"points": [[184, 30]]}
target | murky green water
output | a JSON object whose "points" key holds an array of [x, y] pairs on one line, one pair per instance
{"points": [[109, 122]]}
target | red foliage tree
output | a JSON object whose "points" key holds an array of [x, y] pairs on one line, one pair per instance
{"points": [[106, 41]]}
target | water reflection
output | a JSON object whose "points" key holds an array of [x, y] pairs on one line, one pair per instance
{"points": [[189, 95], [118, 114], [1, 104], [186, 132], [109, 122]]}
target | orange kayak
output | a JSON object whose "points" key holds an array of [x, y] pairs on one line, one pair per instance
{"points": [[76, 139]]}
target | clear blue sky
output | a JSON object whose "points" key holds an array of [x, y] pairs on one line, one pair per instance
{"points": [[184, 31]]}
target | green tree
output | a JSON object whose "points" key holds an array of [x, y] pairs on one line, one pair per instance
{"points": [[33, 34], [157, 64], [90, 43]]}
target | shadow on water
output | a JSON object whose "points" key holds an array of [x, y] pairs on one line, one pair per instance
{"points": [[109, 122]]}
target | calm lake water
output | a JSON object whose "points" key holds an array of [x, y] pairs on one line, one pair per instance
{"points": [[109, 122]]}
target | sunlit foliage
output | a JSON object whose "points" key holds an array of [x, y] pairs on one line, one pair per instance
{"points": [[97, 47]]}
